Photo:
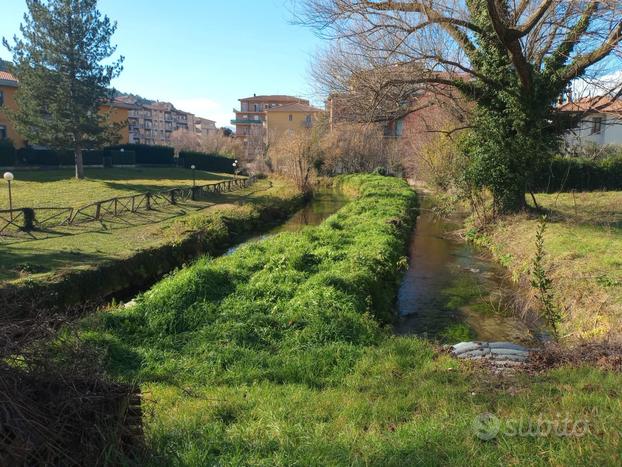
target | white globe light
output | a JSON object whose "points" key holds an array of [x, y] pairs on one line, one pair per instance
{"points": [[8, 176], [193, 166]]}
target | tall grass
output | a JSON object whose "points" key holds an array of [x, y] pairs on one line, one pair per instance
{"points": [[296, 308], [278, 355]]}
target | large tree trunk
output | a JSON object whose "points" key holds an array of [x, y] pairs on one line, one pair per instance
{"points": [[79, 164], [511, 200]]}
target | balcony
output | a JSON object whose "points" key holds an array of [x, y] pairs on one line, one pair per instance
{"points": [[245, 121]]}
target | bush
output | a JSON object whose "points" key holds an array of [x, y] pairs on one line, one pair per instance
{"points": [[148, 155], [7, 153], [54, 158], [567, 174], [208, 162]]}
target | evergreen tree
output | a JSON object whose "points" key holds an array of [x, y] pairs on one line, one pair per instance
{"points": [[62, 78]]}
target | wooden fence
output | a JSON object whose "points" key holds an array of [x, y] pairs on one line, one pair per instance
{"points": [[27, 219]]}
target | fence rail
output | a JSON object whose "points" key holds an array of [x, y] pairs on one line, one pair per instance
{"points": [[27, 219]]}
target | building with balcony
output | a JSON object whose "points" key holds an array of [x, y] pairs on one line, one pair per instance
{"points": [[204, 126], [250, 119], [290, 118]]}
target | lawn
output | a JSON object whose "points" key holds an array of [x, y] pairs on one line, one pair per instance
{"points": [[59, 188], [583, 240], [53, 252], [278, 355]]}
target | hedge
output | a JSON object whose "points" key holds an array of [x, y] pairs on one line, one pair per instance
{"points": [[7, 153], [208, 162], [50, 157], [149, 155], [567, 174]]}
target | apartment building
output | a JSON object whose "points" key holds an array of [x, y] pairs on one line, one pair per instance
{"points": [[250, 119], [289, 118], [154, 123], [204, 126], [8, 86]]}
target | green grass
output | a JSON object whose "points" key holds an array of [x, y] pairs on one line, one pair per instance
{"points": [[278, 355], [583, 241], [55, 252], [59, 188]]}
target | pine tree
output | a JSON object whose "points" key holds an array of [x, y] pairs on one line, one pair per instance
{"points": [[58, 62]]}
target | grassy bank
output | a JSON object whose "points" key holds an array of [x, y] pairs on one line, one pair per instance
{"points": [[277, 355], [119, 254], [583, 242], [59, 188]]}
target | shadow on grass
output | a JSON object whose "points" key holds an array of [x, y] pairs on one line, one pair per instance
{"points": [[20, 261], [129, 173]]}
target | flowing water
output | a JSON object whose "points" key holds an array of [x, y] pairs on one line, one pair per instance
{"points": [[452, 291], [325, 202]]}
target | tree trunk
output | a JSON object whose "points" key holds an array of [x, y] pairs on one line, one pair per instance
{"points": [[511, 200], [79, 164]]}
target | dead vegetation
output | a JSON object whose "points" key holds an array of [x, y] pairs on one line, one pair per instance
{"points": [[59, 409]]}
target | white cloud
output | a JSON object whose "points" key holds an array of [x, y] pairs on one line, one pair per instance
{"points": [[206, 108]]}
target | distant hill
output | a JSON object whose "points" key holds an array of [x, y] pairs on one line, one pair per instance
{"points": [[140, 100]]}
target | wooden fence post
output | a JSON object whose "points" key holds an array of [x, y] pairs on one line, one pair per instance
{"points": [[29, 219], [148, 201], [97, 211]]}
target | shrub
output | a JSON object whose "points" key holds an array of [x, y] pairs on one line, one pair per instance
{"points": [[149, 155], [208, 162], [53, 158], [7, 153], [567, 174]]}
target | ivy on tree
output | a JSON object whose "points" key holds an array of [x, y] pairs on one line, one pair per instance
{"points": [[63, 80]]}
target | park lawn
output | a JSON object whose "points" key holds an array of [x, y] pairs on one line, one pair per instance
{"points": [[583, 240], [86, 245], [59, 188]]}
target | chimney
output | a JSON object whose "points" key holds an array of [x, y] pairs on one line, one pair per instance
{"points": [[254, 95]]}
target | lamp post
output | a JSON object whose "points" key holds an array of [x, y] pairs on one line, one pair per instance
{"points": [[235, 169], [194, 179], [8, 176]]}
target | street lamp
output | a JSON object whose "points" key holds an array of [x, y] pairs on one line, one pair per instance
{"points": [[235, 169], [8, 176], [194, 180]]}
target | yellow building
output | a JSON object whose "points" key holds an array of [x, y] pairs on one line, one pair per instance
{"points": [[290, 118], [8, 86], [119, 113]]}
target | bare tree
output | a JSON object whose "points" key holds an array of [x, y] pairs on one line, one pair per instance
{"points": [[296, 155], [212, 143], [512, 58], [185, 140]]}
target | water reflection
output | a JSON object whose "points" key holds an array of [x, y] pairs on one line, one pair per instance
{"points": [[451, 291]]}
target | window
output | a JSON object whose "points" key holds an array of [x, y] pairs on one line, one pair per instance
{"points": [[597, 125], [2, 132], [1, 98], [308, 121], [291, 117]]}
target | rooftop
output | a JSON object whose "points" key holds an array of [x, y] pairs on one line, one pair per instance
{"points": [[275, 98], [7, 78], [295, 107], [597, 104]]}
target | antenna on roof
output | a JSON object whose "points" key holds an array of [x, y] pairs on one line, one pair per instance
{"points": [[254, 95]]}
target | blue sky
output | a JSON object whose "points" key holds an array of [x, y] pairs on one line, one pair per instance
{"points": [[202, 55]]}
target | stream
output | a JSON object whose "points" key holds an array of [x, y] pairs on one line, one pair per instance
{"points": [[452, 291]]}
